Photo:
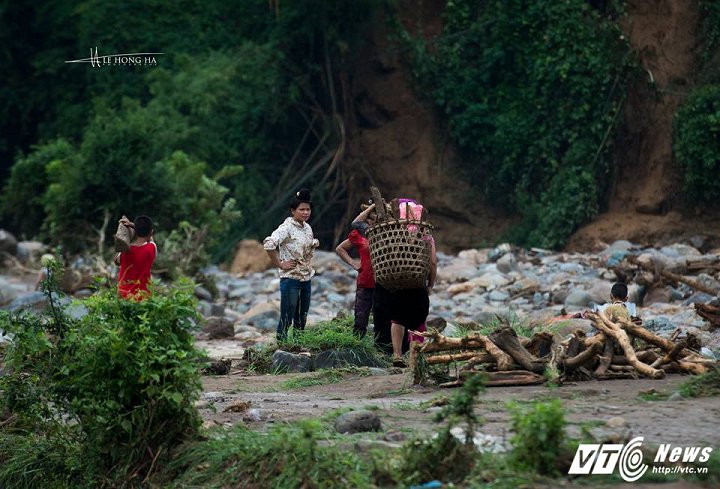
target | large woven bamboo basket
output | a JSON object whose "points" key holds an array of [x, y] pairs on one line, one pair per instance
{"points": [[400, 253]]}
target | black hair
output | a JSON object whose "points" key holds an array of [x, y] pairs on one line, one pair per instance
{"points": [[143, 226], [301, 197], [619, 290]]}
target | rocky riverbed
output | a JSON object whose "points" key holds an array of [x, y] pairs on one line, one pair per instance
{"points": [[529, 287]]}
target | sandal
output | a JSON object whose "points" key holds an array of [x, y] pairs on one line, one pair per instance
{"points": [[399, 362]]}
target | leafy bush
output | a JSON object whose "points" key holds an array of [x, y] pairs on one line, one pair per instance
{"points": [[288, 456], [539, 438], [697, 145], [530, 91], [120, 381], [445, 457]]}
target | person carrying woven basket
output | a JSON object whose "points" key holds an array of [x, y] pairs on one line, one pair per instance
{"points": [[290, 249], [366, 277], [406, 309]]}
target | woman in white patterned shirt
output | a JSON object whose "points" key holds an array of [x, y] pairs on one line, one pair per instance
{"points": [[290, 248]]}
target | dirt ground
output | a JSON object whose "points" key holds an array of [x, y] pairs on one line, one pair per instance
{"points": [[403, 407], [406, 410]]}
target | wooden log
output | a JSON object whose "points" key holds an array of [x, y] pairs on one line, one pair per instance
{"points": [[605, 358], [503, 360], [622, 368], [675, 277], [614, 331], [506, 340], [507, 378], [438, 342], [539, 345], [571, 364], [671, 356], [460, 357]]}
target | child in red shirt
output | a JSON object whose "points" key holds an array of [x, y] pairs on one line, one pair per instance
{"points": [[366, 276], [136, 263]]}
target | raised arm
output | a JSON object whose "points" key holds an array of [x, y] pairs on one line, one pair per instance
{"points": [[364, 214], [342, 251]]}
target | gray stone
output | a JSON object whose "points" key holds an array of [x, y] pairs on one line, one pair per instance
{"points": [[76, 310], [375, 371], [657, 295], [339, 358], [203, 293], [616, 422], [659, 325], [499, 295], [579, 298], [283, 361], [216, 328], [701, 297], [675, 396], [508, 263], [8, 243], [358, 422], [31, 301], [263, 316]]}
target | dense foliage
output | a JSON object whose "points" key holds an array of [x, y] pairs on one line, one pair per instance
{"points": [[697, 122], [240, 105], [697, 144], [531, 92], [105, 392]]}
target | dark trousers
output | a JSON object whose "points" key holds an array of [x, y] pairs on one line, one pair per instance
{"points": [[294, 305], [363, 304], [382, 319]]}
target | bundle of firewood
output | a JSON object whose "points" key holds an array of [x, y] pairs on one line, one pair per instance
{"points": [[617, 350]]}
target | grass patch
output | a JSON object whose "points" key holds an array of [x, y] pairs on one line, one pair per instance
{"points": [[289, 456], [323, 377], [390, 393], [653, 395], [705, 385], [258, 360], [328, 335]]}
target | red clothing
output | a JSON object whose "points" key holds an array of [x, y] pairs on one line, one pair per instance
{"points": [[366, 276], [135, 268]]}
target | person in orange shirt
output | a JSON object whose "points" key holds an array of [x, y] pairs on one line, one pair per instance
{"points": [[136, 263]]}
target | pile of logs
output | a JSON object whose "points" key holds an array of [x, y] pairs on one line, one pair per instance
{"points": [[618, 350]]}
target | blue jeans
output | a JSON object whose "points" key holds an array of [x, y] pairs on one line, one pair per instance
{"points": [[294, 305]]}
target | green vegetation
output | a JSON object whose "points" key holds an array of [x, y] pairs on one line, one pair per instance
{"points": [[323, 377], [101, 397], [242, 105], [539, 440], [289, 456], [697, 145], [705, 385], [329, 335], [531, 93]]}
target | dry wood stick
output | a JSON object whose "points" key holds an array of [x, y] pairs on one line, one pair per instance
{"points": [[604, 324], [671, 356]]}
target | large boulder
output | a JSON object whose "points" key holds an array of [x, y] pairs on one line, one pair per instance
{"points": [[250, 257], [263, 316], [357, 422], [345, 358], [217, 328], [283, 361], [8, 243]]}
